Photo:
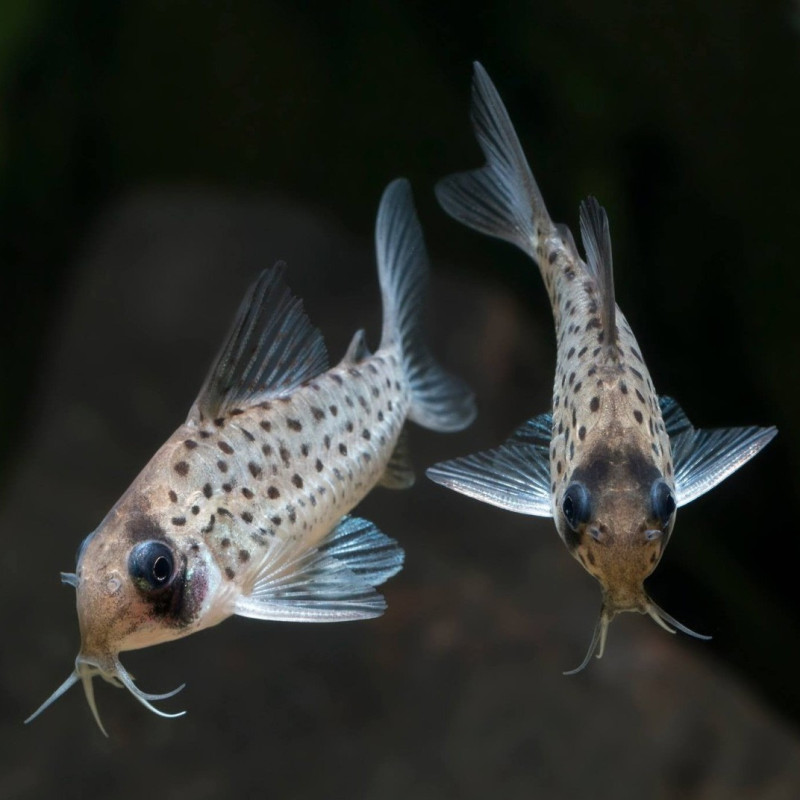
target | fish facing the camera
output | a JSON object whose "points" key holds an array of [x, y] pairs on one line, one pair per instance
{"points": [[612, 461]]}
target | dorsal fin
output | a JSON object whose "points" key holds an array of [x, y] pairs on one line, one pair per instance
{"points": [[597, 243], [271, 348], [358, 350]]}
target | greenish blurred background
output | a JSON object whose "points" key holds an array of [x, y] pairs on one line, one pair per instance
{"points": [[681, 117]]}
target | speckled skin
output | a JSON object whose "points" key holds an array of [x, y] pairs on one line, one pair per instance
{"points": [[608, 434], [222, 492], [607, 426]]}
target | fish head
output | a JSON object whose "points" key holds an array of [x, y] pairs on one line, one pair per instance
{"points": [[136, 587], [616, 515]]}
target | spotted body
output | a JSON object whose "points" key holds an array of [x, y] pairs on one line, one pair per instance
{"points": [[244, 509], [612, 461]]}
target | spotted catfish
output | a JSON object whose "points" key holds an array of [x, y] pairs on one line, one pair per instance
{"points": [[612, 462], [244, 509]]}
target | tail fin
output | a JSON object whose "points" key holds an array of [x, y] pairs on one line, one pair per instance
{"points": [[438, 400], [501, 199]]}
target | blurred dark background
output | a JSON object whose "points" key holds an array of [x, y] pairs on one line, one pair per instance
{"points": [[154, 156]]}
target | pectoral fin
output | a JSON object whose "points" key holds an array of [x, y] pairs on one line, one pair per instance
{"points": [[332, 583], [702, 458], [514, 476]]}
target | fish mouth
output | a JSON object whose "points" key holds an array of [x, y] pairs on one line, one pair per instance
{"points": [[114, 673], [607, 613]]}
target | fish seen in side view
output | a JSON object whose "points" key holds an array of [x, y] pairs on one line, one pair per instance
{"points": [[612, 462], [244, 509]]}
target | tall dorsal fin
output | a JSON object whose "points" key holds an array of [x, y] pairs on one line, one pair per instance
{"points": [[271, 348], [597, 243]]}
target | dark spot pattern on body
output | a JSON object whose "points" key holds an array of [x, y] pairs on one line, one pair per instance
{"points": [[182, 468], [173, 496], [230, 574], [594, 404], [178, 521], [297, 481], [225, 447], [255, 469], [222, 466], [247, 517], [294, 425], [207, 490], [273, 493], [227, 487], [190, 444], [285, 456], [266, 425]]}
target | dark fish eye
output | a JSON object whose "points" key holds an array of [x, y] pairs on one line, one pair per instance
{"points": [[662, 501], [576, 505], [151, 565]]}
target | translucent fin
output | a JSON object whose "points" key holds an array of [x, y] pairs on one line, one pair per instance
{"points": [[537, 431], [501, 199], [675, 420], [702, 458], [271, 348], [399, 473], [70, 579], [515, 477], [597, 243], [333, 583], [358, 350], [439, 401]]}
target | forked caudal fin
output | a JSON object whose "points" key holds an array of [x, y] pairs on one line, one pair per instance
{"points": [[501, 198], [439, 401], [598, 644]]}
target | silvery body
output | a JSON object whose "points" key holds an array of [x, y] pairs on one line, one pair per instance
{"points": [[612, 461], [243, 510]]}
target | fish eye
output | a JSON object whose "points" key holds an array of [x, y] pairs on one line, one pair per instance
{"points": [[151, 565], [662, 501], [576, 505]]}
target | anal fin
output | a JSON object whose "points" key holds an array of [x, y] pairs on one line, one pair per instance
{"points": [[399, 473]]}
